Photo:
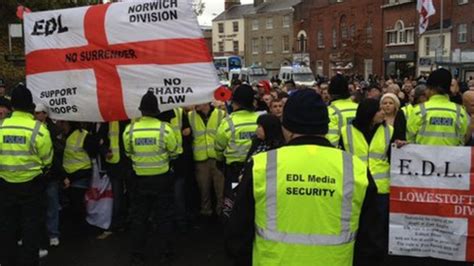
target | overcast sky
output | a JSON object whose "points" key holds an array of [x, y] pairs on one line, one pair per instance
{"points": [[214, 8]]}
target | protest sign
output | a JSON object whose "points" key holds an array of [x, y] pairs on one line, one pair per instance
{"points": [[432, 202], [95, 63]]}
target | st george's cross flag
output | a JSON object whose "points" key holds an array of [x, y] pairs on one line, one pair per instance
{"points": [[425, 9], [95, 63]]}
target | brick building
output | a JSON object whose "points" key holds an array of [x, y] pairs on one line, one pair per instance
{"points": [[268, 34], [400, 24], [462, 39], [341, 36]]}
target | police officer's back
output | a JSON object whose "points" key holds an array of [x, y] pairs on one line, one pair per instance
{"points": [[438, 121], [234, 135], [306, 203], [150, 144], [25, 151], [342, 109]]}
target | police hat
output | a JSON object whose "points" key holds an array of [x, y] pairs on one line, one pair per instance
{"points": [[149, 104]]}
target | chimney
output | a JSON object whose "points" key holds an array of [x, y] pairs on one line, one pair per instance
{"points": [[258, 2], [230, 3]]}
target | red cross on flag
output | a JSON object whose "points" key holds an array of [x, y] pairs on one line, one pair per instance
{"points": [[95, 63], [425, 9], [432, 202]]}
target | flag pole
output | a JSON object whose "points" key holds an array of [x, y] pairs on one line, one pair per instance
{"points": [[441, 40]]}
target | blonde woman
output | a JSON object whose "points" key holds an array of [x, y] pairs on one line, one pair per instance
{"points": [[390, 105]]}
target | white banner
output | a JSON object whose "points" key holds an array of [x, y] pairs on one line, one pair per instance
{"points": [[95, 63], [432, 202]]}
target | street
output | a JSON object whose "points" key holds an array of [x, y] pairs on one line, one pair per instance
{"points": [[200, 246]]}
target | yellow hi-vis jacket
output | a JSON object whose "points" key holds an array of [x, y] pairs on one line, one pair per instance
{"points": [[234, 136], [204, 135], [307, 213], [341, 113], [438, 122], [374, 155], [177, 125], [25, 148], [114, 131], [150, 143], [75, 157]]}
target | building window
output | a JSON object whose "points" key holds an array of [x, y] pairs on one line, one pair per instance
{"points": [[410, 36], [320, 68], [221, 46], [343, 25], [462, 32], [255, 46], [368, 66], [352, 31], [236, 46], [254, 24], [392, 38], [269, 45], [235, 26], [269, 65], [369, 32], [221, 27], [320, 39], [427, 46], [462, 2], [286, 43], [302, 41], [334, 38], [400, 35], [269, 23], [286, 21], [472, 32]]}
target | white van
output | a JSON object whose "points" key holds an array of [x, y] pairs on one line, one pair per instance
{"points": [[301, 75], [234, 74], [253, 74]]}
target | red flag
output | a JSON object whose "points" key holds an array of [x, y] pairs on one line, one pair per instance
{"points": [[20, 10]]}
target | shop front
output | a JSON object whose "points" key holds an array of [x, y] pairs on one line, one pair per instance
{"points": [[400, 64]]}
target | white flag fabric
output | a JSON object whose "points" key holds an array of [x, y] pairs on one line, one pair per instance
{"points": [[99, 199], [425, 9], [95, 63]]}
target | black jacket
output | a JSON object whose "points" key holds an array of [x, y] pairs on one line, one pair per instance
{"points": [[240, 230]]}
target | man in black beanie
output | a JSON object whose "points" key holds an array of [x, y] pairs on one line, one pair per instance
{"points": [[150, 144], [438, 121], [25, 153], [234, 135], [291, 201], [342, 109]]}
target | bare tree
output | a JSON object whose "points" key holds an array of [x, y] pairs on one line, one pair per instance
{"points": [[198, 7]]}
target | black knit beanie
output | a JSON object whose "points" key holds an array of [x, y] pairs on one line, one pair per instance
{"points": [[306, 113]]}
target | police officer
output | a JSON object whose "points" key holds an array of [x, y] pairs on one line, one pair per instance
{"points": [[438, 121], [234, 135], [342, 109], [150, 144], [25, 152], [204, 121], [306, 203], [417, 96]]}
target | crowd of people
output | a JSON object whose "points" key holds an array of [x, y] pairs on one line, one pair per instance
{"points": [[216, 161]]}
